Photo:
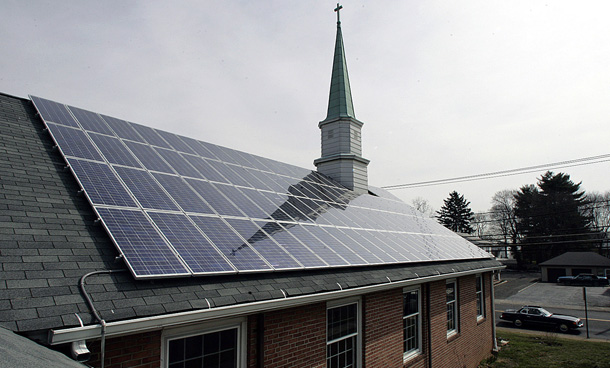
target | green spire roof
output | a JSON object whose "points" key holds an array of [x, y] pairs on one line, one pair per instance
{"points": [[340, 99]]}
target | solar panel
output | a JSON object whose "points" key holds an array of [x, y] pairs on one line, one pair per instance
{"points": [[114, 150], [90, 121], [149, 157], [145, 250], [176, 206], [74, 142]]}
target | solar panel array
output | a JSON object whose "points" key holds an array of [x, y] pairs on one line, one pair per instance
{"points": [[177, 206]]}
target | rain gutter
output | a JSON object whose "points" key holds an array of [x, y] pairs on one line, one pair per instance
{"points": [[157, 322]]}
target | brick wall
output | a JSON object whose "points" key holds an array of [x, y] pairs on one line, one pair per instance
{"points": [[134, 351], [383, 332], [473, 342], [294, 337]]}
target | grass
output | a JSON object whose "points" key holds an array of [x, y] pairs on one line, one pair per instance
{"points": [[549, 350]]}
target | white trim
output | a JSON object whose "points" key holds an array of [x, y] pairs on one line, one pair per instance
{"points": [[479, 280], [205, 328], [456, 314], [415, 352], [157, 322], [340, 303]]}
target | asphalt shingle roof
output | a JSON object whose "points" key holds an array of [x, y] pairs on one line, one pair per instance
{"points": [[18, 351], [49, 240], [589, 259]]}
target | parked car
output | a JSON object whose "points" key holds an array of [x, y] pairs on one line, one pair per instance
{"points": [[534, 315], [584, 279]]}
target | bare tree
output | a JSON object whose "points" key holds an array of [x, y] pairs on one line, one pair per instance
{"points": [[597, 208], [503, 221], [423, 206], [481, 225], [502, 215]]}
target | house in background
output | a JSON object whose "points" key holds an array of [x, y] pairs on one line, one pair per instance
{"points": [[573, 264], [135, 247]]}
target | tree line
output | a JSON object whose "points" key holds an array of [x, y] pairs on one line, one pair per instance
{"points": [[536, 222]]}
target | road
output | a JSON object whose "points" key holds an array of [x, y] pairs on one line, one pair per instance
{"points": [[523, 289]]}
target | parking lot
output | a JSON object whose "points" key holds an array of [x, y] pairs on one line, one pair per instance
{"points": [[518, 289], [529, 291]]}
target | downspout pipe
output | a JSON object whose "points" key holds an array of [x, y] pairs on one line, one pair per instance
{"points": [[94, 311], [493, 312], [429, 318]]}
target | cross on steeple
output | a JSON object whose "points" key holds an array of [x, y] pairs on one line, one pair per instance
{"points": [[339, 7]]}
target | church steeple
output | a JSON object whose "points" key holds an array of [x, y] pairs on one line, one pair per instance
{"points": [[341, 139], [340, 99]]}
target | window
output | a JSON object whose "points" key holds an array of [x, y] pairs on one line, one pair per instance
{"points": [[452, 310], [480, 297], [342, 339], [411, 323], [219, 347]]}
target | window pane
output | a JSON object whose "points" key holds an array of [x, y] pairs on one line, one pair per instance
{"points": [[176, 350], [194, 363], [450, 292], [212, 350], [342, 324], [228, 339], [342, 321], [410, 302], [211, 343], [192, 347], [451, 307], [479, 295]]}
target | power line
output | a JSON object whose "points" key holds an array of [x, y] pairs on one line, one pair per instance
{"points": [[496, 174]]}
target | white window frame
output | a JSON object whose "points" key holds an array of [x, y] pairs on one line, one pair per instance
{"points": [[340, 303], [414, 352], [240, 324], [456, 309], [480, 295]]}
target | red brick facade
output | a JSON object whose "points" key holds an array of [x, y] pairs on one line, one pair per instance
{"points": [[134, 351], [296, 337]]}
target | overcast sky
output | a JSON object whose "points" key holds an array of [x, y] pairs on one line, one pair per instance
{"points": [[445, 89]]}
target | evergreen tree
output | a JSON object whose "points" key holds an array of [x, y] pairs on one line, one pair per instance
{"points": [[455, 214], [550, 221]]}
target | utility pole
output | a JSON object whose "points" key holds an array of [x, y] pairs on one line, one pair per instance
{"points": [[584, 296]]}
